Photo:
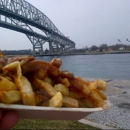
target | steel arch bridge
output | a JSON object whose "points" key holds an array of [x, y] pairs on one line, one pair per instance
{"points": [[21, 16]]}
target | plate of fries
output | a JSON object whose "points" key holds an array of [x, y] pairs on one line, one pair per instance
{"points": [[40, 90]]}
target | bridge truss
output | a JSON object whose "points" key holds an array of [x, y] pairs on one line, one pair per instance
{"points": [[21, 16]]}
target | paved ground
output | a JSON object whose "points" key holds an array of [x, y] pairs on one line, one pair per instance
{"points": [[118, 116], [96, 125]]}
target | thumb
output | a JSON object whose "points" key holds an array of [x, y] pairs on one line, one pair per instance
{"points": [[9, 119]]}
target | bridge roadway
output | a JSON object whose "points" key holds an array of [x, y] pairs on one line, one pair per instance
{"points": [[19, 15]]}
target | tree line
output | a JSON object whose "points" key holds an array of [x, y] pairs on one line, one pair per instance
{"points": [[104, 47]]}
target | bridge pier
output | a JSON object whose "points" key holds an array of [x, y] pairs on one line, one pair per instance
{"points": [[38, 47], [42, 52], [57, 48], [61, 48], [51, 51], [34, 50]]}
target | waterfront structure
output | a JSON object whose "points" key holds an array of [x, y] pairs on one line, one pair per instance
{"points": [[19, 15]]}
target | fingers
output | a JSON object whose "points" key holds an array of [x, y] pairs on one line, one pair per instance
{"points": [[0, 114], [9, 119]]}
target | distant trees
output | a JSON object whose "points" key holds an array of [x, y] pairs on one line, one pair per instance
{"points": [[100, 48], [117, 46], [84, 49], [103, 47], [93, 48]]}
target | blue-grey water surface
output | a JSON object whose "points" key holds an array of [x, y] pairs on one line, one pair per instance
{"points": [[106, 66]]}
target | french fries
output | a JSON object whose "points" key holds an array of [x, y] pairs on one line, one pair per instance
{"points": [[25, 80], [6, 85], [62, 88], [70, 102], [10, 97], [56, 101], [39, 84], [85, 103], [25, 88]]}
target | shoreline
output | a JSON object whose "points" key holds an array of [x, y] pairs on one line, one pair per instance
{"points": [[86, 53], [70, 54]]}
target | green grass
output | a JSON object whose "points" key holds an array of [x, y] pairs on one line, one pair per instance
{"points": [[51, 124]]}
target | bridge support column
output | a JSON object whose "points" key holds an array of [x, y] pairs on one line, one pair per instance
{"points": [[58, 48], [34, 50], [42, 49], [50, 48], [61, 48], [38, 47]]}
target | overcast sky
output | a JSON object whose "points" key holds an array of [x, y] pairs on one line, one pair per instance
{"points": [[86, 22]]}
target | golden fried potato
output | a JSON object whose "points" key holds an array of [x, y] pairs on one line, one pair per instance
{"points": [[21, 82], [75, 94], [6, 85], [39, 98], [95, 99], [28, 96], [57, 62], [13, 69], [49, 80], [80, 85], [24, 59], [93, 85], [56, 101], [62, 88], [85, 103], [2, 54], [21, 59], [31, 66], [40, 84], [102, 95], [70, 102], [99, 84], [10, 97], [40, 73], [66, 74], [66, 82], [3, 61]]}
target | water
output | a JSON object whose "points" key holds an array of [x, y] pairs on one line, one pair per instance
{"points": [[106, 66]]}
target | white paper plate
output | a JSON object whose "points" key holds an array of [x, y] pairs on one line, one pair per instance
{"points": [[49, 113]]}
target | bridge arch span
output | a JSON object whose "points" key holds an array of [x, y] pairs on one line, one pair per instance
{"points": [[21, 15]]}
